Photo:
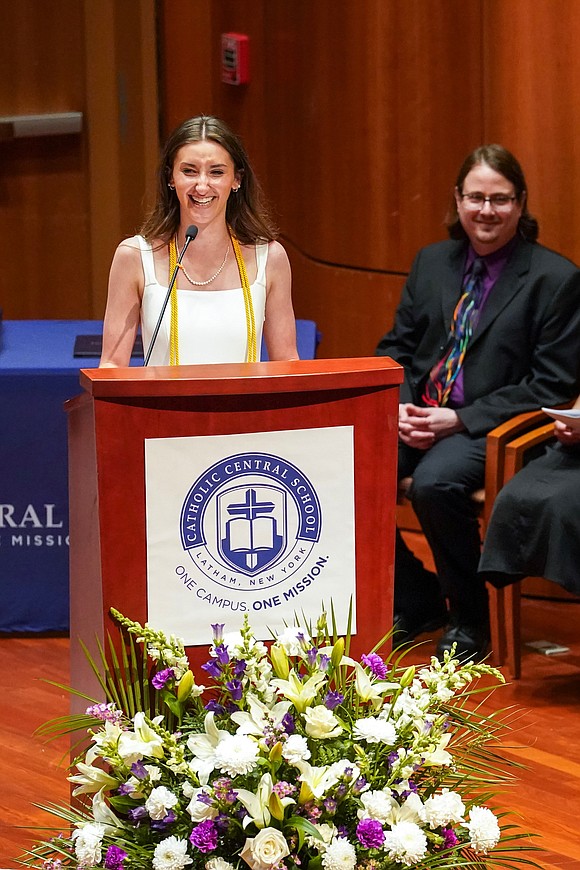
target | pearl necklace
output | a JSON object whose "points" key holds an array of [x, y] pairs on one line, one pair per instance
{"points": [[209, 280]]}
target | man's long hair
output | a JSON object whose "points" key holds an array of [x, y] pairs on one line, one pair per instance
{"points": [[503, 161]]}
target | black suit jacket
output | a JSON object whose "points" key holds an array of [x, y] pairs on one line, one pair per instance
{"points": [[525, 350]]}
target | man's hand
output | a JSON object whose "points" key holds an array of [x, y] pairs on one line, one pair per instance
{"points": [[422, 427]]}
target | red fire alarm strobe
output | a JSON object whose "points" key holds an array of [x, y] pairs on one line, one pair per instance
{"points": [[235, 59]]}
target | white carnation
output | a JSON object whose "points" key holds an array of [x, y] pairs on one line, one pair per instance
{"points": [[339, 855], [377, 805], [374, 730], [236, 754], [171, 854], [444, 809], [327, 832], [296, 749], [88, 841], [483, 829], [406, 843], [160, 802]]}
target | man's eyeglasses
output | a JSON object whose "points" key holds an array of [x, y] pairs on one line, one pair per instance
{"points": [[497, 201]]}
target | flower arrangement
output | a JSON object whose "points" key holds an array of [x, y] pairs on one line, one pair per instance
{"points": [[297, 756]]}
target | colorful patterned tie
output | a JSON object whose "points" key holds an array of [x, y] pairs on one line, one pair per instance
{"points": [[442, 376]]}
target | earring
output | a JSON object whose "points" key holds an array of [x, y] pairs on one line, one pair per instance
{"points": [[170, 186], [235, 189]]}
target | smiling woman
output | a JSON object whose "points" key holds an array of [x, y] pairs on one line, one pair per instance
{"points": [[231, 284]]}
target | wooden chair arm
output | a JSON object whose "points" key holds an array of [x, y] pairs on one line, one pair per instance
{"points": [[497, 440], [515, 451]]}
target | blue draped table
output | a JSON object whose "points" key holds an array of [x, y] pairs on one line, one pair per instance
{"points": [[38, 373]]}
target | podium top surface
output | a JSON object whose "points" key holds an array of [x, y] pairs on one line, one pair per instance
{"points": [[242, 378]]}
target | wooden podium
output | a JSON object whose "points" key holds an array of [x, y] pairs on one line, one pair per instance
{"points": [[121, 408]]}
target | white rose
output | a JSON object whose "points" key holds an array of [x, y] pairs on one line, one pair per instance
{"points": [[200, 810], [321, 723], [264, 850], [218, 864]]}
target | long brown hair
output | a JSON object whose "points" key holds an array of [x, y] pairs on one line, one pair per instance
{"points": [[246, 212], [503, 161]]}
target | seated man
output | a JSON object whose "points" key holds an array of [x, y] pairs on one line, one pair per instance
{"points": [[534, 529], [487, 327]]}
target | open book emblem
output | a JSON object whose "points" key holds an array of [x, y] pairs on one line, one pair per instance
{"points": [[252, 524]]}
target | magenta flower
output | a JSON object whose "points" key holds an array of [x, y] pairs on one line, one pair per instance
{"points": [[204, 836], [450, 838], [370, 833], [161, 678], [375, 664], [114, 858]]}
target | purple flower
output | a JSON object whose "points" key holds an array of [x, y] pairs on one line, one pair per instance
{"points": [[375, 663], [370, 833], [138, 814], [235, 689], [311, 655], [125, 789], [450, 838], [214, 707], [222, 822], [138, 770], [288, 724], [330, 805], [240, 667], [162, 824], [212, 668], [221, 653], [333, 700], [161, 678], [105, 712], [114, 858], [218, 632], [204, 836], [359, 785]]}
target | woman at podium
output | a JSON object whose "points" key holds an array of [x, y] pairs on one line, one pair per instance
{"points": [[205, 278]]}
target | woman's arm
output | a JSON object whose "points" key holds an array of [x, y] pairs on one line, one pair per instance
{"points": [[123, 306], [280, 325]]}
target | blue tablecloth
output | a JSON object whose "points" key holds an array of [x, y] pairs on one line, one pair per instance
{"points": [[38, 373]]}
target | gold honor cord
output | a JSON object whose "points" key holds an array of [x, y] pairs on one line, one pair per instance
{"points": [[174, 331], [252, 354]]}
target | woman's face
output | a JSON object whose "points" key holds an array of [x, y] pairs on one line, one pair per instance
{"points": [[204, 176]]}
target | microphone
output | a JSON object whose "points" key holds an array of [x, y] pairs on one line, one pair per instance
{"points": [[190, 234]]}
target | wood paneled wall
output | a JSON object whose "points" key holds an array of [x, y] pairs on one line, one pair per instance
{"points": [[66, 201], [357, 117]]}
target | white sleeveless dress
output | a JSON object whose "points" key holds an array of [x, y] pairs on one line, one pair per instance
{"points": [[212, 323]]}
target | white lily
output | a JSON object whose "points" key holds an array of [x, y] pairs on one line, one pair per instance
{"points": [[299, 693], [259, 716], [317, 780], [258, 804], [103, 815], [203, 746], [368, 689], [91, 779], [438, 755], [142, 742]]}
